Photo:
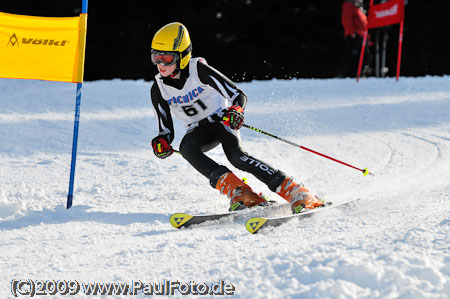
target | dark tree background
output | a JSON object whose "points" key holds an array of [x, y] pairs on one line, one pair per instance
{"points": [[245, 39]]}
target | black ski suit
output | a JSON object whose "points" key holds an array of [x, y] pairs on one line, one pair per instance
{"points": [[198, 99]]}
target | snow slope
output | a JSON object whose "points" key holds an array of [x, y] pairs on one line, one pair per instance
{"points": [[394, 244]]}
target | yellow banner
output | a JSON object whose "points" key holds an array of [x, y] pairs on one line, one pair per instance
{"points": [[42, 48]]}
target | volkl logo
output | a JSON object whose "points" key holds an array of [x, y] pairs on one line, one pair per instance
{"points": [[14, 40]]}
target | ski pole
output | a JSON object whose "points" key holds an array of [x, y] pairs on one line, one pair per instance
{"points": [[364, 171]]}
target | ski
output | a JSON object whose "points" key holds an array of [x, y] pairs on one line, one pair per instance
{"points": [[179, 220], [256, 224]]}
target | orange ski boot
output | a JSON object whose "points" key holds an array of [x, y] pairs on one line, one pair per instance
{"points": [[240, 194], [299, 196]]}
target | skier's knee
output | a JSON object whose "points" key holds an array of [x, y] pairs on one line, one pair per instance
{"points": [[188, 148]]}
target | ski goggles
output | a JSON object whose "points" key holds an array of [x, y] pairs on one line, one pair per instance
{"points": [[164, 58]]}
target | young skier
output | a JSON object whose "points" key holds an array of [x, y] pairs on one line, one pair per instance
{"points": [[212, 107]]}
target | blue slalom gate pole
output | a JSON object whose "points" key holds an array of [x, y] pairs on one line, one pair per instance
{"points": [[76, 125], [84, 6], [74, 145]]}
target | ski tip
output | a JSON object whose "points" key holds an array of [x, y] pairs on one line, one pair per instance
{"points": [[179, 219], [254, 224]]}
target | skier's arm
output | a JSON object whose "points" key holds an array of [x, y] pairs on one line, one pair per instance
{"points": [[221, 83], [162, 111]]}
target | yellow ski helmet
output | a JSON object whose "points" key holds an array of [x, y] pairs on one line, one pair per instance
{"points": [[174, 37]]}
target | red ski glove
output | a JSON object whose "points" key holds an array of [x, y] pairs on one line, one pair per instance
{"points": [[161, 148], [234, 117]]}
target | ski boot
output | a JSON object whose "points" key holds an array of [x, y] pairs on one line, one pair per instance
{"points": [[240, 194], [299, 196]]}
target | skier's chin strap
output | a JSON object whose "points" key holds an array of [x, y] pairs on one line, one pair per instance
{"points": [[175, 72], [174, 82]]}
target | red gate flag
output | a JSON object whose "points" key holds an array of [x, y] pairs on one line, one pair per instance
{"points": [[380, 15], [385, 14]]}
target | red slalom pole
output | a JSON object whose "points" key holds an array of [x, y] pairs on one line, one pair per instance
{"points": [[364, 171], [399, 55], [361, 55]]}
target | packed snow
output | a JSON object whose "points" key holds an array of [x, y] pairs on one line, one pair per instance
{"points": [[394, 243]]}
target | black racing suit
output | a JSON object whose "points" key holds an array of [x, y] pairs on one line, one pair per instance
{"points": [[210, 132]]}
